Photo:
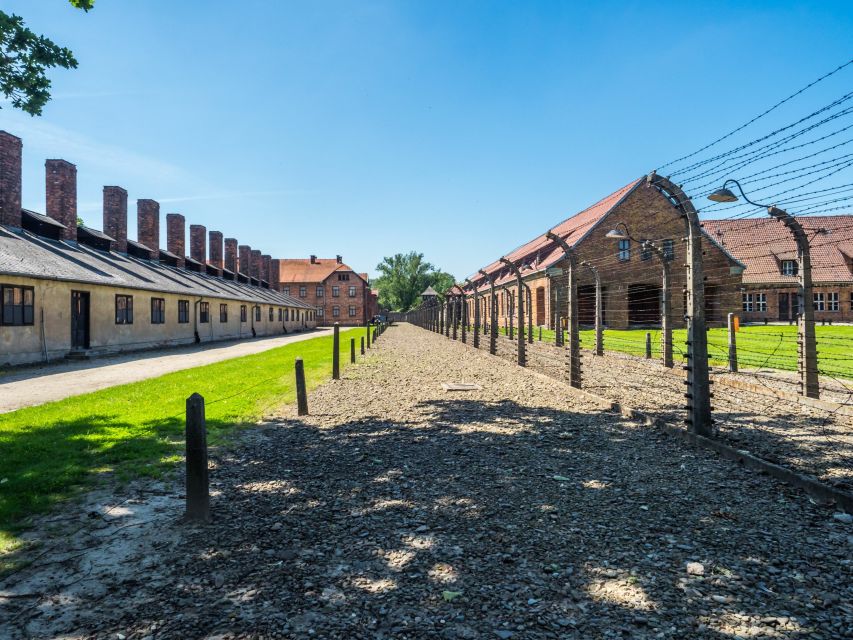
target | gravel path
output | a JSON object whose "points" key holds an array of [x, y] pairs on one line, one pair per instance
{"points": [[812, 441], [31, 386], [399, 510]]}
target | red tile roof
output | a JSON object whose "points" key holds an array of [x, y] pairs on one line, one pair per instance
{"points": [[303, 270], [762, 243], [540, 253]]}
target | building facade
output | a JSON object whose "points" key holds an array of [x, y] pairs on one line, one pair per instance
{"points": [[67, 289], [631, 277], [336, 291], [769, 292]]}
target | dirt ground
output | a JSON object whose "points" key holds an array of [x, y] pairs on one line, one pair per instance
{"points": [[399, 510], [29, 386]]}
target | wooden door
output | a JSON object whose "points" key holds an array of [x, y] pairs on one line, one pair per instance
{"points": [[79, 319]]}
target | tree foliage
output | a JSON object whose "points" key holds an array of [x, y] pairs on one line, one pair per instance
{"points": [[24, 59], [403, 277]]}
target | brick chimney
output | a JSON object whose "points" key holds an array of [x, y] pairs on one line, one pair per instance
{"points": [[10, 180], [176, 236], [148, 225], [256, 264], [231, 254], [215, 248], [198, 243], [266, 266], [339, 259], [61, 196], [245, 252], [313, 259], [115, 217], [275, 274]]}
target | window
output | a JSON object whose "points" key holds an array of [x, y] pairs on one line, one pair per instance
{"points": [[271, 312], [303, 291], [755, 302], [244, 316], [336, 312], [320, 292], [343, 277], [320, 312], [204, 312], [668, 250], [645, 252], [819, 304], [223, 313], [624, 250], [257, 314], [124, 309], [287, 315], [158, 311], [352, 292], [789, 267], [17, 304], [279, 314], [352, 311], [832, 301], [183, 311], [336, 291], [285, 290]]}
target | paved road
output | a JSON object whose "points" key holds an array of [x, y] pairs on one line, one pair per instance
{"points": [[34, 386]]}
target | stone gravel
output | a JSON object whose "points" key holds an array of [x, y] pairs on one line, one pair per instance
{"points": [[399, 510]]}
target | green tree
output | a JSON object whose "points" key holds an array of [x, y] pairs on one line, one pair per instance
{"points": [[403, 277], [24, 59]]}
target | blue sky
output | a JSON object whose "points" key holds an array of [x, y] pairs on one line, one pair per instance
{"points": [[458, 129]]}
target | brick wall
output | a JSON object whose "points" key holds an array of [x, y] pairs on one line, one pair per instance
{"points": [[776, 296], [327, 301]]}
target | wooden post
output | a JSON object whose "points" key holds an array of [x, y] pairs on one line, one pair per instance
{"points": [[648, 345], [362, 345], [352, 350], [336, 352], [732, 343], [301, 392], [540, 333], [368, 336], [198, 485]]}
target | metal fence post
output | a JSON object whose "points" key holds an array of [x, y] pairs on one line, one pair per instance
{"points": [[301, 391], [197, 480], [732, 343], [336, 352]]}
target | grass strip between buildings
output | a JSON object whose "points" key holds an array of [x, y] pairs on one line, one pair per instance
{"points": [[53, 450], [759, 346]]}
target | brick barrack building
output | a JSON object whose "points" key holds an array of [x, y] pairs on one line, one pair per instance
{"points": [[630, 276], [70, 289], [334, 289]]}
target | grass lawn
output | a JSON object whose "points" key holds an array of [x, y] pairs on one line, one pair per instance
{"points": [[137, 429], [771, 346]]}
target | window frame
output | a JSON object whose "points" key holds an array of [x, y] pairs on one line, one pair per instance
{"points": [[321, 290], [792, 271], [303, 292], [352, 311], [819, 301], [623, 250], [833, 302], [336, 292], [223, 312], [336, 312], [23, 289], [203, 312], [127, 311], [244, 313], [271, 316], [352, 291], [158, 316], [257, 308]]}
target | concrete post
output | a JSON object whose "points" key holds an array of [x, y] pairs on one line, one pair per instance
{"points": [[806, 338], [574, 357], [599, 311], [336, 352], [732, 343], [463, 302], [529, 314], [699, 395], [476, 314], [522, 355], [493, 314], [197, 480]]}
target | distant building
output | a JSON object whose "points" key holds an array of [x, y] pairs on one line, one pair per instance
{"points": [[67, 289], [767, 248], [429, 297], [336, 291]]}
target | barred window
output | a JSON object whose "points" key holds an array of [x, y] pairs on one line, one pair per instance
{"points": [[124, 309], [183, 311], [158, 311], [18, 304]]}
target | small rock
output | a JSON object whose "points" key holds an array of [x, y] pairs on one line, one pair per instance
{"points": [[844, 518], [504, 634], [695, 569]]}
